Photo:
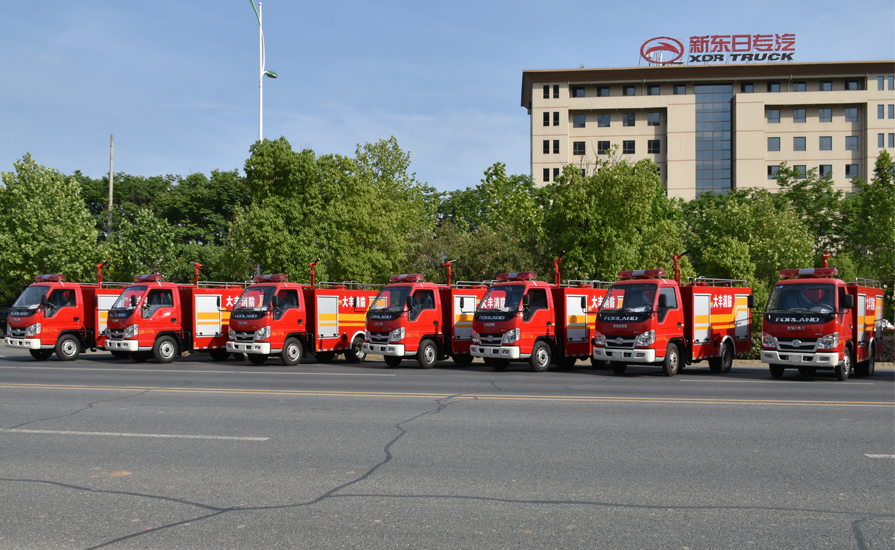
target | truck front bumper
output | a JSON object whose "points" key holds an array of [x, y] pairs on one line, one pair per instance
{"points": [[817, 360], [395, 350], [125, 345], [626, 355], [26, 343], [497, 352], [249, 347]]}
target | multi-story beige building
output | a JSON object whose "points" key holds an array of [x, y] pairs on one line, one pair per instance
{"points": [[715, 127]]}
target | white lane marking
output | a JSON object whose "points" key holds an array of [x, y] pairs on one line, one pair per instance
{"points": [[880, 456], [169, 436], [818, 381], [204, 371]]}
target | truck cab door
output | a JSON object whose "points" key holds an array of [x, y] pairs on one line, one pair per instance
{"points": [[537, 317], [158, 308], [62, 309], [670, 316], [423, 315]]}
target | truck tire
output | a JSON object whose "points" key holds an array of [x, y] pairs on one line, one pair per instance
{"points": [[540, 357], [566, 363], [776, 370], [324, 356], [140, 356], [617, 368], [356, 354], [866, 368], [68, 348], [807, 371], [723, 362], [118, 354], [41, 354], [257, 358], [219, 354], [392, 360], [843, 368], [600, 363], [427, 354], [500, 364], [462, 359], [672, 363], [293, 351], [165, 349]]}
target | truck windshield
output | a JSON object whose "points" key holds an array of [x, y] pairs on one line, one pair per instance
{"points": [[803, 297], [255, 297], [632, 297], [30, 297], [392, 298], [502, 298], [124, 301]]}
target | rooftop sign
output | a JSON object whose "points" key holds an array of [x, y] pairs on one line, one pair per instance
{"points": [[720, 48]]}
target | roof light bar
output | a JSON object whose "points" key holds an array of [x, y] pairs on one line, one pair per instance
{"points": [[150, 278], [812, 273], [56, 278], [407, 278], [270, 278], [641, 274], [518, 276]]}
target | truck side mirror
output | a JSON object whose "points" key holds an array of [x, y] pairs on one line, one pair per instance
{"points": [[409, 303], [848, 301], [584, 303], [663, 301], [133, 300], [750, 301], [43, 300], [525, 301], [275, 301]]}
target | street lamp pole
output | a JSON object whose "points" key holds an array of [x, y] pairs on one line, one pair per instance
{"points": [[261, 71]]}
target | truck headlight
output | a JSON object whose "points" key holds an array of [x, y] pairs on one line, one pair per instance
{"points": [[510, 336], [262, 333], [32, 330], [599, 339], [476, 339], [367, 336], [231, 334], [131, 331], [768, 341], [830, 341], [396, 335], [645, 338]]}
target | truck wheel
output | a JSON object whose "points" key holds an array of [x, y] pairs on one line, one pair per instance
{"points": [[41, 354], [540, 357], [219, 354], [600, 363], [257, 358], [871, 363], [866, 368], [392, 360], [462, 359], [776, 370], [566, 363], [324, 356], [140, 356], [68, 348], [356, 354], [807, 371], [723, 362], [427, 354], [672, 362], [843, 368], [165, 349], [500, 364], [617, 368], [293, 351], [118, 354]]}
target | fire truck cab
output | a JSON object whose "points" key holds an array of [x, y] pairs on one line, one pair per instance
{"points": [[814, 320]]}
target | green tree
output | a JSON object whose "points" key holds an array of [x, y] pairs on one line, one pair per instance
{"points": [[45, 227], [818, 204], [144, 246]]}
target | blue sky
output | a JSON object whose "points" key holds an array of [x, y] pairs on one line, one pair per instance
{"points": [[176, 82]]}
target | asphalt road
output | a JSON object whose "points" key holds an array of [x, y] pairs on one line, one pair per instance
{"points": [[103, 453]]}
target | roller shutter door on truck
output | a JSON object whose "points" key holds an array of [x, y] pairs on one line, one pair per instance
{"points": [[862, 319], [208, 315], [463, 316], [327, 317], [741, 316], [576, 319], [104, 303], [702, 319]]}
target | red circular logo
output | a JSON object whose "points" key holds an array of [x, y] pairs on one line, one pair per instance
{"points": [[662, 44]]}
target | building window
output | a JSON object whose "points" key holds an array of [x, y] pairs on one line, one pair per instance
{"points": [[555, 146], [881, 140], [546, 174], [628, 90], [891, 141], [627, 119], [578, 121], [546, 119], [798, 87], [602, 91], [653, 89], [825, 115], [825, 86], [773, 116], [891, 111], [880, 111], [798, 144], [653, 119], [747, 87], [851, 114], [880, 83], [851, 84], [578, 148], [798, 115], [556, 91], [603, 120], [654, 146], [826, 143], [577, 91], [851, 171], [773, 144], [681, 89], [628, 147], [826, 170], [547, 91], [556, 118], [602, 147], [773, 87], [555, 173], [772, 172], [546, 146], [851, 143], [801, 169], [892, 82]]}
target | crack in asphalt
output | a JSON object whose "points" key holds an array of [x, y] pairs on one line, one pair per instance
{"points": [[82, 409]]}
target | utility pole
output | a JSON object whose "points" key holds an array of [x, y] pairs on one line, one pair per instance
{"points": [[111, 159]]}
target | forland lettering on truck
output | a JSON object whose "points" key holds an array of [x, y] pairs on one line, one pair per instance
{"points": [[647, 319], [813, 320]]}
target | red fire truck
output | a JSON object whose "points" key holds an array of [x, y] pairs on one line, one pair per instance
{"points": [[276, 317], [427, 321], [53, 315], [153, 317], [522, 319], [813, 320], [647, 319]]}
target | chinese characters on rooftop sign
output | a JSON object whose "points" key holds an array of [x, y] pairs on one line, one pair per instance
{"points": [[721, 48]]}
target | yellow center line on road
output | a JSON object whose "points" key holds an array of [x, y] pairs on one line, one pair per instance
{"points": [[471, 396]]}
